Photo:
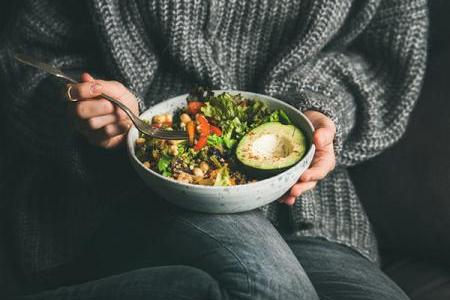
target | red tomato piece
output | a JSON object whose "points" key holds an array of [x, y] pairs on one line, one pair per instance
{"points": [[194, 107], [203, 124], [202, 141], [216, 130]]}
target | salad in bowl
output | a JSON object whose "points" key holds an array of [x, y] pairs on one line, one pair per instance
{"points": [[232, 140], [244, 150]]}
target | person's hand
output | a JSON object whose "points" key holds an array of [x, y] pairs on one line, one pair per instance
{"points": [[324, 160], [101, 122]]}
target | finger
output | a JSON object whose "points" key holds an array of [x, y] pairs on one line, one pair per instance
{"points": [[92, 108], [290, 197], [313, 174], [116, 129], [320, 120], [112, 142], [86, 77], [101, 121], [86, 90], [301, 187], [287, 199], [120, 113], [319, 169], [323, 137], [109, 131]]}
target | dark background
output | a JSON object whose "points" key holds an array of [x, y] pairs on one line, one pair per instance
{"points": [[406, 190]]}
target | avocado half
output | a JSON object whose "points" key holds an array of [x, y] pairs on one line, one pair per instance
{"points": [[271, 146]]}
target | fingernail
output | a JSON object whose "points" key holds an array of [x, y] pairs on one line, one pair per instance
{"points": [[96, 88]]}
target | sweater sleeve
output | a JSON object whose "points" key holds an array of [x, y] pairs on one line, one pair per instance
{"points": [[368, 86], [33, 101]]}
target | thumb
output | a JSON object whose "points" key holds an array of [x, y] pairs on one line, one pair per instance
{"points": [[323, 137], [324, 128], [319, 120]]}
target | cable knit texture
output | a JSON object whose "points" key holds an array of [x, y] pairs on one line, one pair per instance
{"points": [[361, 62]]}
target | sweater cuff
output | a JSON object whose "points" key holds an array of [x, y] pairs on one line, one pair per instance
{"points": [[336, 107]]}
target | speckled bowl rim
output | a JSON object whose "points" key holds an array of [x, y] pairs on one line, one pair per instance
{"points": [[131, 144]]}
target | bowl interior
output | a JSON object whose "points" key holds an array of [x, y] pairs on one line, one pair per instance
{"points": [[171, 105]]}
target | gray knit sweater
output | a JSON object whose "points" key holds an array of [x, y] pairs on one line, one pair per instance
{"points": [[361, 62]]}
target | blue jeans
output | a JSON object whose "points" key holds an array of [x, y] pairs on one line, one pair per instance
{"points": [[161, 252]]}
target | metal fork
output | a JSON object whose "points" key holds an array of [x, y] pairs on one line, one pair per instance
{"points": [[142, 126]]}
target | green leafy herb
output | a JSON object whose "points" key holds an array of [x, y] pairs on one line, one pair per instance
{"points": [[164, 163], [228, 140], [182, 148], [284, 118], [224, 107], [279, 116], [233, 130], [257, 113], [216, 142], [167, 173]]}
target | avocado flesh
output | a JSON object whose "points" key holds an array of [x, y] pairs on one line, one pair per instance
{"points": [[271, 146]]}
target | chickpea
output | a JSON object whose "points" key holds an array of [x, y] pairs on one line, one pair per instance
{"points": [[173, 150], [174, 142], [184, 177], [140, 141], [167, 118], [159, 143], [184, 118], [204, 167], [158, 119], [198, 172], [147, 164]]}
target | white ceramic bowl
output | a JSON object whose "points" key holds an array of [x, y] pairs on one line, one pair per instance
{"points": [[223, 199]]}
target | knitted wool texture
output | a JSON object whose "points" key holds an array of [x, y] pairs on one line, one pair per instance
{"points": [[359, 62]]}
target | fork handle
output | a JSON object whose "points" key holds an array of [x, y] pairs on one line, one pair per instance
{"points": [[59, 73]]}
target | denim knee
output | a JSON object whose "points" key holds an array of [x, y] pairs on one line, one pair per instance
{"points": [[277, 280], [243, 252], [268, 272]]}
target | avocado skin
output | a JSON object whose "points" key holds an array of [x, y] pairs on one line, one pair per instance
{"points": [[259, 174]]}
